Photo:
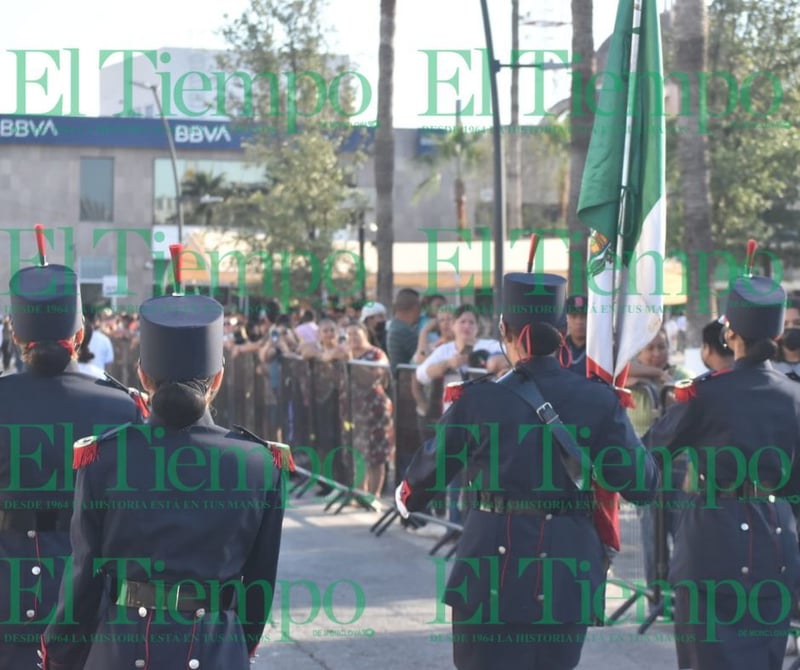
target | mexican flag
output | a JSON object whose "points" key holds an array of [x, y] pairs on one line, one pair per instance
{"points": [[623, 196], [623, 203]]}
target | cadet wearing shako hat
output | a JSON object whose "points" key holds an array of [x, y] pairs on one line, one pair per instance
{"points": [[735, 566], [512, 580], [194, 525], [41, 411], [577, 309]]}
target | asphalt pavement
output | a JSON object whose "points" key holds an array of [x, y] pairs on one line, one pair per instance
{"points": [[348, 600]]}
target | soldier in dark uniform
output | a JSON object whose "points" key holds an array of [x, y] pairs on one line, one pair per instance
{"points": [[530, 560], [577, 308], [655, 536], [177, 524], [788, 358], [43, 410], [736, 564]]}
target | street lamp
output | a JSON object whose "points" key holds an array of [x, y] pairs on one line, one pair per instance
{"points": [[499, 214], [154, 90]]}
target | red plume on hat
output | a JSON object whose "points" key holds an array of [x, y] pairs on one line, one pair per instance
{"points": [[534, 244], [175, 251], [40, 243], [752, 247]]}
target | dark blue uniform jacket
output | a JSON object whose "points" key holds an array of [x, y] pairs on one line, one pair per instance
{"points": [[200, 508], [40, 418], [546, 566]]}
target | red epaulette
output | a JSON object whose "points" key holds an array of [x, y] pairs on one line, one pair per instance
{"points": [[85, 450], [453, 391], [281, 453], [686, 389], [139, 398], [625, 397]]}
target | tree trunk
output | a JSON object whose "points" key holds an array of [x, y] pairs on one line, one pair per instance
{"points": [[460, 193], [384, 155], [690, 36], [581, 118], [514, 161]]}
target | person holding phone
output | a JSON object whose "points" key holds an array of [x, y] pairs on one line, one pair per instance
{"points": [[451, 359]]}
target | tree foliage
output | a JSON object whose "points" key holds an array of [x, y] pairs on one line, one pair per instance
{"points": [[464, 151], [754, 51], [299, 136], [196, 189]]}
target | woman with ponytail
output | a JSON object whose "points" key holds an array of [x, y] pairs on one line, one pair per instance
{"points": [[44, 408], [516, 602], [193, 511], [736, 565]]}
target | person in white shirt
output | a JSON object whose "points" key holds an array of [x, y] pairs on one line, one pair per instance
{"points": [[102, 349], [307, 330], [86, 358], [453, 358], [450, 361]]}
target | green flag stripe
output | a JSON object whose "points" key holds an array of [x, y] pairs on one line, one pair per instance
{"points": [[599, 201]]}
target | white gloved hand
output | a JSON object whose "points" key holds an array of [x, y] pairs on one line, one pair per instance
{"points": [[398, 500]]}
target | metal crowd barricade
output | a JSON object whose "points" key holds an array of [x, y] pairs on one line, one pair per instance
{"points": [[630, 567], [413, 429], [316, 402], [327, 418], [294, 405]]}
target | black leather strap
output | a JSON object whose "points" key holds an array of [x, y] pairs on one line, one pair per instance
{"points": [[491, 502], [572, 457], [169, 597]]}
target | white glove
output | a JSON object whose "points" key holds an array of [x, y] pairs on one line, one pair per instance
{"points": [[398, 500]]}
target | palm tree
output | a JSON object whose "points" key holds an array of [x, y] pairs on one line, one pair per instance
{"points": [[384, 155], [199, 188], [458, 148], [581, 119], [690, 36], [514, 160]]}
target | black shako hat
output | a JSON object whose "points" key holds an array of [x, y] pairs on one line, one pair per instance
{"points": [[530, 298], [180, 337], [45, 303], [45, 299], [756, 307]]}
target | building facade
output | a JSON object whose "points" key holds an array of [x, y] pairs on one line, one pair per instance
{"points": [[104, 189]]}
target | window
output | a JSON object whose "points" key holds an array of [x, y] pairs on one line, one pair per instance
{"points": [[97, 189], [92, 269]]}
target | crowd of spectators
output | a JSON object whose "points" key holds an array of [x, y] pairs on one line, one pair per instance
{"points": [[415, 330]]}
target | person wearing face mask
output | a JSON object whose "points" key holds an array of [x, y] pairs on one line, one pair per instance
{"points": [[373, 316], [789, 354], [737, 540]]}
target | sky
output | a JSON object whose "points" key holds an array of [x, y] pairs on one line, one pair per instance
{"points": [[425, 31]]}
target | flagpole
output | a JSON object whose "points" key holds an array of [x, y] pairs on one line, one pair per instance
{"points": [[619, 271], [499, 218]]}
